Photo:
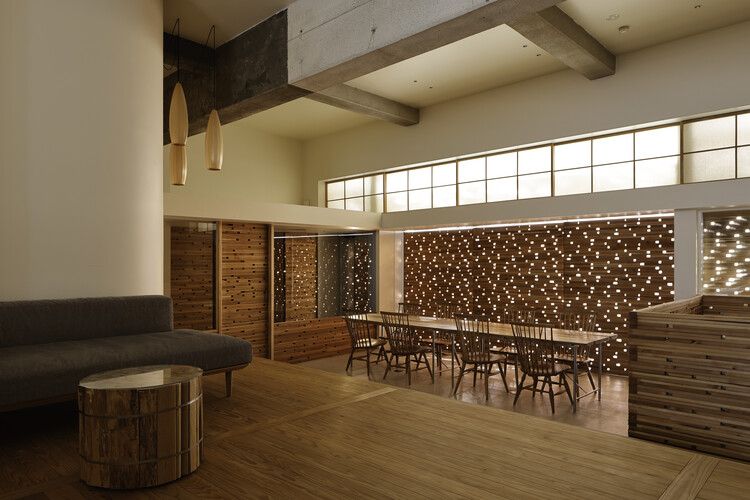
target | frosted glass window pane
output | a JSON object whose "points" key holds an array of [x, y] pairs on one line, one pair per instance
{"points": [[709, 134], [573, 181], [396, 182], [421, 198], [444, 174], [503, 165], [335, 190], [354, 187], [374, 203], [355, 204], [708, 166], [471, 170], [420, 178], [658, 172], [336, 204], [743, 129], [612, 177], [534, 186], [573, 155], [374, 184], [743, 162], [444, 196], [472, 192], [657, 142], [615, 149], [535, 160], [502, 189], [397, 202]]}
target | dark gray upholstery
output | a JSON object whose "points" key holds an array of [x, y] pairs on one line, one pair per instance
{"points": [[31, 370]]}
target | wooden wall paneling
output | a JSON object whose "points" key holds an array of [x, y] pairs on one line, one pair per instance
{"points": [[271, 291], [726, 253], [690, 377], [301, 276], [192, 277], [298, 341], [218, 276], [244, 260]]}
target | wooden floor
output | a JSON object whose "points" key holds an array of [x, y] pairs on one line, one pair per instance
{"points": [[294, 432]]}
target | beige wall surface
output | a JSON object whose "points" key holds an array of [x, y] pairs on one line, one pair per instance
{"points": [[80, 148], [257, 167], [695, 75]]}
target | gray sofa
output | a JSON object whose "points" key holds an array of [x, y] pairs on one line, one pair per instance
{"points": [[48, 346]]}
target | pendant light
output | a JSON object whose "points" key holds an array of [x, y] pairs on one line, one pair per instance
{"points": [[178, 126], [214, 141]]}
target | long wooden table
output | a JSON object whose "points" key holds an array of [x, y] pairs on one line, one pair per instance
{"points": [[572, 338]]}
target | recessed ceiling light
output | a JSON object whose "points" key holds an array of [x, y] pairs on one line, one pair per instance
{"points": [[624, 29], [612, 17], [697, 6]]}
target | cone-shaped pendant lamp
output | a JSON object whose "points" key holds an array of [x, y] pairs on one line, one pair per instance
{"points": [[178, 127], [214, 141]]}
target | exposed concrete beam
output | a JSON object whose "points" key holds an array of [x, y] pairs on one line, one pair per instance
{"points": [[340, 40], [554, 31], [360, 101]]}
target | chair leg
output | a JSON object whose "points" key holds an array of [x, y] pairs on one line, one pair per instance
{"points": [[502, 375], [349, 362], [591, 378], [368, 363], [460, 376], [519, 388], [429, 369], [408, 368], [388, 368], [475, 376], [533, 393], [548, 380], [567, 387]]}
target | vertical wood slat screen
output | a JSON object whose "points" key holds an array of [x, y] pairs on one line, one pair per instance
{"points": [[244, 287], [192, 276], [611, 266]]}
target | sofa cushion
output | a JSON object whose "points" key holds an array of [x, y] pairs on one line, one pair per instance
{"points": [[32, 372], [40, 321]]}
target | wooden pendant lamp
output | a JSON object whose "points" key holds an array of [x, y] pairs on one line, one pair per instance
{"points": [[178, 127], [214, 141]]}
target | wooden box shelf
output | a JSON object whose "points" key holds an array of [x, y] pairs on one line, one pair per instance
{"points": [[690, 374]]}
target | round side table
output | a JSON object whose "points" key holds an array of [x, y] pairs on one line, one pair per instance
{"points": [[140, 426]]}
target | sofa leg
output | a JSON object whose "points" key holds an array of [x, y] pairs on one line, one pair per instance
{"points": [[228, 378]]}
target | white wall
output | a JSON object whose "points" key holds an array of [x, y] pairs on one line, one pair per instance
{"points": [[695, 75], [257, 167], [80, 148]]}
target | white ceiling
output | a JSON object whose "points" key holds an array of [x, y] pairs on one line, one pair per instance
{"points": [[491, 59]]}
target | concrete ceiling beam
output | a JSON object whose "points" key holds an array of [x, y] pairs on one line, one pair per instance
{"points": [[366, 103], [555, 32]]}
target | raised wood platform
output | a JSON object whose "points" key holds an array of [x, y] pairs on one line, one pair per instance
{"points": [[293, 432]]}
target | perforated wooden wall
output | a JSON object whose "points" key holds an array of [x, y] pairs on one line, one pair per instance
{"points": [[192, 270], [297, 341], [611, 266], [244, 283], [726, 253]]}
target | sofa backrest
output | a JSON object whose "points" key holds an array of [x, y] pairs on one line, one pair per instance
{"points": [[42, 321]]}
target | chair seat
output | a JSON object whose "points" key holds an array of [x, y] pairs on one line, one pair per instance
{"points": [[369, 343], [484, 358], [442, 342], [416, 349], [568, 358], [556, 369]]}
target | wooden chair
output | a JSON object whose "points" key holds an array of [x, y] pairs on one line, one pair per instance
{"points": [[410, 308], [474, 350], [362, 340], [581, 320], [536, 358], [443, 310], [508, 315], [403, 342]]}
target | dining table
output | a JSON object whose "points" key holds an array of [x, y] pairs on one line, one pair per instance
{"points": [[574, 339]]}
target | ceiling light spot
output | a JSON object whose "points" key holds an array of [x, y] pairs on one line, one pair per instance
{"points": [[612, 17], [697, 6], [624, 29], [525, 45], [538, 55], [415, 81]]}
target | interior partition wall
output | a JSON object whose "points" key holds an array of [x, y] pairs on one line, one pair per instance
{"points": [[608, 265]]}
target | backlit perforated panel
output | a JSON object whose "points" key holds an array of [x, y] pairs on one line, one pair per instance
{"points": [[611, 266]]}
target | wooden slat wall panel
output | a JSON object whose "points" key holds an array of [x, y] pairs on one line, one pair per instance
{"points": [[296, 341], [301, 277], [192, 276], [244, 288], [611, 266], [690, 377]]}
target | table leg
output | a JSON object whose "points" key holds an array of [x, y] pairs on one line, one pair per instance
{"points": [[453, 357], [575, 377], [599, 378], [433, 357]]}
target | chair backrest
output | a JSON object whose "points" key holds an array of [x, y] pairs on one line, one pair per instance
{"points": [[447, 309], [400, 333], [410, 308], [576, 319], [359, 329], [472, 334], [535, 345], [516, 314]]}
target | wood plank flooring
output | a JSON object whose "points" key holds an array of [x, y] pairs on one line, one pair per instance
{"points": [[290, 431]]}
